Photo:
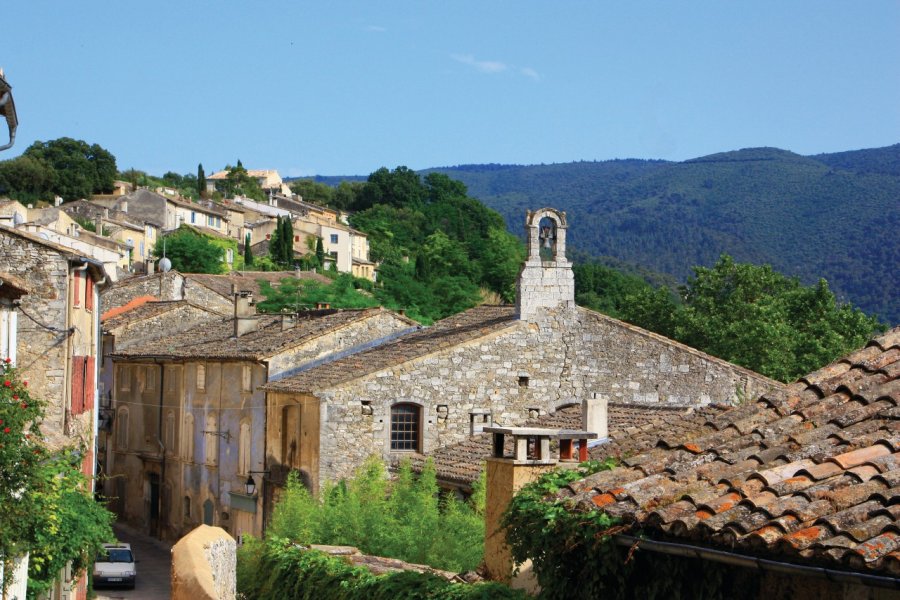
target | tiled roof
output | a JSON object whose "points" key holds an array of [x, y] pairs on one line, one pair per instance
{"points": [[215, 339], [631, 429], [807, 474], [465, 326]]}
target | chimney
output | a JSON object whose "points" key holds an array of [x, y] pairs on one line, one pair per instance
{"points": [[594, 415], [244, 312], [123, 206], [531, 457], [150, 267], [288, 320], [98, 225], [105, 213]]}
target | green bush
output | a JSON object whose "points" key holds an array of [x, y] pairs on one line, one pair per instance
{"points": [[406, 519], [278, 569]]}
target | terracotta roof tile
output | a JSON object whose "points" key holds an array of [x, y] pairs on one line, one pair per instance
{"points": [[811, 472]]}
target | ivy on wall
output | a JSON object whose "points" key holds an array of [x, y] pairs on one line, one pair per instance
{"points": [[575, 556]]}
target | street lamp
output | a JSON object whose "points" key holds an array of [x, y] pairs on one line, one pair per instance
{"points": [[250, 484]]}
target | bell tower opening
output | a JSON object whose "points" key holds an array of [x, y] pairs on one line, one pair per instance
{"points": [[546, 279]]}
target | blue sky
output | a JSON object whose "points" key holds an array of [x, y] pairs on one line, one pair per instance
{"points": [[347, 87]]}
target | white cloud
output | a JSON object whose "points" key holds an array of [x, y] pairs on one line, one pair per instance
{"points": [[485, 66], [529, 72], [492, 67]]}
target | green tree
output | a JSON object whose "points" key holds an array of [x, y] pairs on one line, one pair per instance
{"points": [[239, 183], [26, 179], [756, 317], [201, 181], [248, 252], [320, 252], [79, 169], [44, 499], [313, 191], [287, 242], [191, 251]]}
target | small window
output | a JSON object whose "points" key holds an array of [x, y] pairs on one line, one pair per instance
{"points": [[170, 433], [187, 438], [334, 238], [201, 377], [405, 427], [187, 507], [124, 378], [244, 449], [211, 439], [142, 250], [122, 429], [296, 238], [246, 378], [523, 381], [193, 217], [150, 377]]}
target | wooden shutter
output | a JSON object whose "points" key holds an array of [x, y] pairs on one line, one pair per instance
{"points": [[89, 292], [89, 375], [77, 385]]}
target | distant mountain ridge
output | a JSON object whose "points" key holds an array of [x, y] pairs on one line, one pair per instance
{"points": [[835, 215]]}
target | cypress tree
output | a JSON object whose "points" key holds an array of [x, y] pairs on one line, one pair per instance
{"points": [[248, 253], [320, 252], [288, 241], [201, 181], [274, 243]]}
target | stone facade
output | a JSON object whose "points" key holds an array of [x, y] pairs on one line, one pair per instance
{"points": [[162, 286], [517, 373], [196, 427], [56, 330]]}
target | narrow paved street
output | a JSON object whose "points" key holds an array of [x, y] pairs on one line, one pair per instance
{"points": [[153, 568]]}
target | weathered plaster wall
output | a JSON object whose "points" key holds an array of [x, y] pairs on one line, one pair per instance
{"points": [[527, 369]]}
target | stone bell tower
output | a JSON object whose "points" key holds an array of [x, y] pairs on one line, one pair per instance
{"points": [[545, 281]]}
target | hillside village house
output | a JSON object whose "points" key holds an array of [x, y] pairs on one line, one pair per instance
{"points": [[491, 365], [139, 238], [268, 179], [170, 212], [49, 326], [189, 417]]}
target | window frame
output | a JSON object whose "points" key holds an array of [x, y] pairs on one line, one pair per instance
{"points": [[406, 432]]}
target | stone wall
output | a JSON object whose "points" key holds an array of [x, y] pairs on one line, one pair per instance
{"points": [[172, 321], [204, 565], [162, 286], [44, 341], [521, 371], [202, 295]]}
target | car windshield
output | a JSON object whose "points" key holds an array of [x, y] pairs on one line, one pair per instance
{"points": [[121, 555]]}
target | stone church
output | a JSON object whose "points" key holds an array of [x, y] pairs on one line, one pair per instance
{"points": [[491, 365]]}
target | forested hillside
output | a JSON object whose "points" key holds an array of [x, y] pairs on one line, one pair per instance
{"points": [[835, 216]]}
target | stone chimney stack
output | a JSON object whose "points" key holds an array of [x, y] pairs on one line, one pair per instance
{"points": [[550, 283], [288, 321], [595, 416], [506, 474], [244, 312]]}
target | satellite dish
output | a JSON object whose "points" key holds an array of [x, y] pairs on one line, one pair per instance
{"points": [[18, 219], [165, 265]]}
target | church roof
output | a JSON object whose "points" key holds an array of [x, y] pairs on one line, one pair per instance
{"points": [[452, 331]]}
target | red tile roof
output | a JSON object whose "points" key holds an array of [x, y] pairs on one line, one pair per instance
{"points": [[807, 474]]}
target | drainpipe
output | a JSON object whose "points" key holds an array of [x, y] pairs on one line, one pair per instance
{"points": [[162, 449], [70, 351]]}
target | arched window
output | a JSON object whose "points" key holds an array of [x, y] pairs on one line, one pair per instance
{"points": [[244, 448], [187, 507], [122, 429], [187, 438], [406, 428]]}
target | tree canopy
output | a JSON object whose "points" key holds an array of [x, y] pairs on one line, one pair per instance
{"points": [[191, 252], [747, 314], [72, 169]]}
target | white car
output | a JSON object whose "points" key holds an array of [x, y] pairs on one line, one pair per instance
{"points": [[115, 566]]}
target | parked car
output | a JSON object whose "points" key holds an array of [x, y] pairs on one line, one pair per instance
{"points": [[115, 566]]}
